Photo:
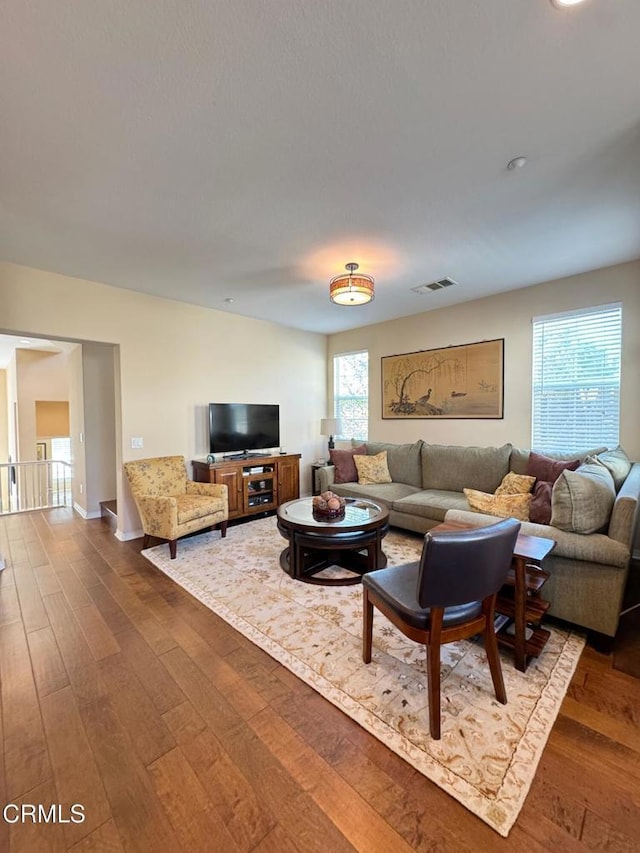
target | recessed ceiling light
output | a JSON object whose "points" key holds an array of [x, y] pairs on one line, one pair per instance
{"points": [[229, 299], [516, 163], [562, 4]]}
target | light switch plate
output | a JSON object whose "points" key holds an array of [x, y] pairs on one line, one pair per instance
{"points": [[137, 443]]}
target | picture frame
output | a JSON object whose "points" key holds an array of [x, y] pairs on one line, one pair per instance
{"points": [[461, 381], [41, 451]]}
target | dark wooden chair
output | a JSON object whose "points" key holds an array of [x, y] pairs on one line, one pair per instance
{"points": [[448, 595]]}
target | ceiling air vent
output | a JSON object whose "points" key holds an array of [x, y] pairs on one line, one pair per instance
{"points": [[434, 285]]}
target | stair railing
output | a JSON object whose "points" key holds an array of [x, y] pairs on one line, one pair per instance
{"points": [[34, 485]]}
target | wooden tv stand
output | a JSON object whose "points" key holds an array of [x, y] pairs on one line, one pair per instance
{"points": [[255, 484]]}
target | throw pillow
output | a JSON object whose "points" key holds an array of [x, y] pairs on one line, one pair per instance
{"points": [[618, 464], [372, 469], [548, 469], [504, 506], [540, 509], [343, 462], [515, 484], [582, 500]]}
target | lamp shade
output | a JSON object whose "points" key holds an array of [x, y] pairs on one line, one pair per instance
{"points": [[330, 426], [351, 288]]}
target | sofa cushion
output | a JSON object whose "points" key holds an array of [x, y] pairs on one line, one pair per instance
{"points": [[504, 506], [385, 494], [520, 457], [343, 462], [515, 484], [432, 503], [454, 468], [582, 500], [596, 548], [618, 464], [191, 507], [403, 460], [372, 469]]}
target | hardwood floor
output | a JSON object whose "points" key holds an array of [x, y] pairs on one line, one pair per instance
{"points": [[123, 694]]}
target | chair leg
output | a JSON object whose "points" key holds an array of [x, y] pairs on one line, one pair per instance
{"points": [[223, 528], [433, 671], [493, 656], [367, 626], [172, 548], [145, 541]]}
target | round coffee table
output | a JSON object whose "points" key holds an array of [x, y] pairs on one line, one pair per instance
{"points": [[353, 541]]}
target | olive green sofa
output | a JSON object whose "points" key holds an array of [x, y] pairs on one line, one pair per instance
{"points": [[588, 572]]}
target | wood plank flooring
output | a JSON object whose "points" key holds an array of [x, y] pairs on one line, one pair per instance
{"points": [[124, 694]]}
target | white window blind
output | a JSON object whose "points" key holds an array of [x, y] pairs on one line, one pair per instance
{"points": [[576, 379], [61, 449], [351, 393]]}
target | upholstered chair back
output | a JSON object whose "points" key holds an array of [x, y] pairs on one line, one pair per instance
{"points": [[460, 566], [161, 475]]}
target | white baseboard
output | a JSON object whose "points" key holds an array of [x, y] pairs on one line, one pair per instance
{"points": [[125, 537], [82, 512]]}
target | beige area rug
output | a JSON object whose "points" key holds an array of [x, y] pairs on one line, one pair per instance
{"points": [[488, 753]]}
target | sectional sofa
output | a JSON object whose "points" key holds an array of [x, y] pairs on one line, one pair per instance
{"points": [[588, 571]]}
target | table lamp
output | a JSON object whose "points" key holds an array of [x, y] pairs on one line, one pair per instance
{"points": [[330, 427]]}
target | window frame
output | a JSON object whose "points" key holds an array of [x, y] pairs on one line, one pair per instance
{"points": [[596, 390], [337, 398]]}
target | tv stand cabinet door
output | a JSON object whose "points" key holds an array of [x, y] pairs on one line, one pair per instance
{"points": [[288, 478], [232, 479]]}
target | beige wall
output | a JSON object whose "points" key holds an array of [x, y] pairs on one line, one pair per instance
{"points": [[52, 418], [4, 437], [99, 437], [76, 430], [174, 359], [4, 417], [505, 316], [40, 376]]}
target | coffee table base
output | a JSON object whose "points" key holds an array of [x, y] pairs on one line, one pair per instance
{"points": [[309, 554]]}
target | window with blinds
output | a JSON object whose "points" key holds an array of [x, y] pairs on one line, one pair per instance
{"points": [[351, 394], [576, 379]]}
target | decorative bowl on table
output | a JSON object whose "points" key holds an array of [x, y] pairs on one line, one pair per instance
{"points": [[328, 506]]}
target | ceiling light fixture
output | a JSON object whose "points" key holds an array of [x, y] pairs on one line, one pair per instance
{"points": [[563, 4], [350, 289]]}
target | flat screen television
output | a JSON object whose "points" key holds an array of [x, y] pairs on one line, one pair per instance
{"points": [[243, 427]]}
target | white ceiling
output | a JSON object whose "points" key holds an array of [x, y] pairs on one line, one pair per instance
{"points": [[211, 149], [10, 343]]}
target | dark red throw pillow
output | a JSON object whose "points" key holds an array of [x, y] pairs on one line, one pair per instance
{"points": [[344, 464], [547, 469], [540, 506]]}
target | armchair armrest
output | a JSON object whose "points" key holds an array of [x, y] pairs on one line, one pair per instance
{"points": [[159, 515], [326, 477]]}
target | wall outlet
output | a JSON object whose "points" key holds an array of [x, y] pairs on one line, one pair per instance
{"points": [[137, 443], [81, 488]]}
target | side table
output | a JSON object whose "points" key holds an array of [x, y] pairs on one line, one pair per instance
{"points": [[519, 599]]}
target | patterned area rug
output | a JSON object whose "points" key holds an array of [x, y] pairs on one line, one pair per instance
{"points": [[488, 753]]}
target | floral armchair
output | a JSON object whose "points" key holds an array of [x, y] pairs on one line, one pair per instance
{"points": [[169, 504]]}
